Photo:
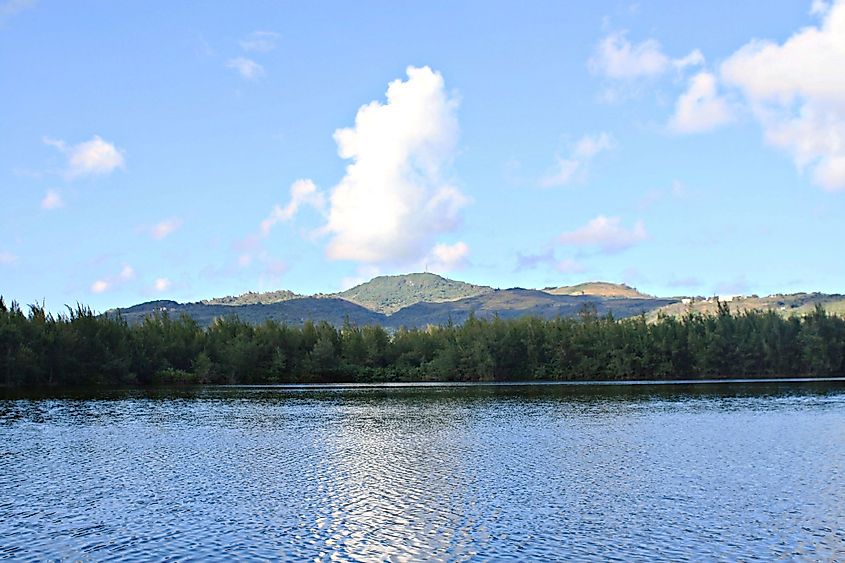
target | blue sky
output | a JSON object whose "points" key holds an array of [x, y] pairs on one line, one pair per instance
{"points": [[190, 150]]}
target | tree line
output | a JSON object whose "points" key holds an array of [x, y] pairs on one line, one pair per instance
{"points": [[81, 347]]}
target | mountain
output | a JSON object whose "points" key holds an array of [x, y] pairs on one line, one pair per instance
{"points": [[598, 288], [388, 294], [421, 299]]}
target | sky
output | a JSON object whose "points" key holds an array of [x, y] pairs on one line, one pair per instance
{"points": [[189, 150]]}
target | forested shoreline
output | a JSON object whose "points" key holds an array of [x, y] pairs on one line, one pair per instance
{"points": [[84, 348]]}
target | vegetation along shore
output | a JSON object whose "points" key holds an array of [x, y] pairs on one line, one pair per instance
{"points": [[83, 348]]}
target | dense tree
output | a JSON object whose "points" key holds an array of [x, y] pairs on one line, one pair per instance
{"points": [[83, 348]]}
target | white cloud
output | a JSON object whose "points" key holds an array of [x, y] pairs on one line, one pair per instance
{"points": [[617, 58], [574, 166], [448, 257], [796, 91], [165, 228], [393, 200], [694, 58], [90, 158], [247, 68], [161, 284], [605, 233], [302, 192], [102, 285], [260, 41], [819, 7], [52, 200], [7, 258], [700, 108]]}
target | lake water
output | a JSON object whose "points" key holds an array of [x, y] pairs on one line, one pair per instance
{"points": [[739, 471]]}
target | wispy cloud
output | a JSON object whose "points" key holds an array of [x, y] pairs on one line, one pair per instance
{"points": [[547, 258], [606, 234], [247, 68], [302, 192], [52, 200], [260, 41], [165, 228], [615, 57], [530, 261], [819, 8], [161, 284], [7, 258], [11, 8], [676, 191], [90, 158], [575, 165], [127, 273], [448, 257], [570, 266]]}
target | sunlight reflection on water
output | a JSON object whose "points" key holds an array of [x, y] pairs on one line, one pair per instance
{"points": [[728, 471]]}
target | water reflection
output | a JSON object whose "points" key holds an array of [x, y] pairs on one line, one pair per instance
{"points": [[730, 471]]}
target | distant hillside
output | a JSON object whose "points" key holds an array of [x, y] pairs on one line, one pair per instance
{"points": [[508, 303], [388, 294], [601, 289], [511, 303], [783, 304], [291, 311], [252, 298], [417, 300]]}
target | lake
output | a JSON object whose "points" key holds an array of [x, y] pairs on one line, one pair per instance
{"points": [[635, 472]]}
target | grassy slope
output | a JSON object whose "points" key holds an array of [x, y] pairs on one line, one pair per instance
{"points": [[388, 294], [252, 298], [513, 303], [599, 289]]}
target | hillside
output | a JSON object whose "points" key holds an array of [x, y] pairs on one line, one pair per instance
{"points": [[252, 298], [600, 289], [291, 311], [508, 303], [512, 303], [418, 300], [388, 294], [783, 304]]}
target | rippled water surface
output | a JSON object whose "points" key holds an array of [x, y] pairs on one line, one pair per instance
{"points": [[750, 471]]}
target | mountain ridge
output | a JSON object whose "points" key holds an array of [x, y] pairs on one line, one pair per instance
{"points": [[420, 299]]}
